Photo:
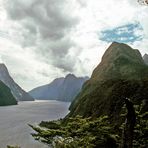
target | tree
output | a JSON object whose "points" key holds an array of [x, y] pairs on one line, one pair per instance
{"points": [[78, 132], [140, 138]]}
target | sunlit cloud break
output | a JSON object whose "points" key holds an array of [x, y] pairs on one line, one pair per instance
{"points": [[128, 33]]}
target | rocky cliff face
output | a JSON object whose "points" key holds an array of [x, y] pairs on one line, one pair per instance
{"points": [[62, 89], [17, 91], [6, 97], [122, 73]]}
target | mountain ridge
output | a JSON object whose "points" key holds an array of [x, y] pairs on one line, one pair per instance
{"points": [[16, 90], [62, 89], [121, 73]]}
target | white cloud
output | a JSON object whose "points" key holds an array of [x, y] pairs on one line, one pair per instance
{"points": [[39, 42], [1, 60], [24, 65]]}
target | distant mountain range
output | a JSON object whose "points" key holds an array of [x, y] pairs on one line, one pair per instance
{"points": [[62, 89], [18, 93], [121, 74]]}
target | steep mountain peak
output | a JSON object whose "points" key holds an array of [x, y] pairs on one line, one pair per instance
{"points": [[117, 50], [118, 60], [17, 91], [113, 44], [2, 64], [70, 76], [3, 67], [122, 73], [4, 74]]}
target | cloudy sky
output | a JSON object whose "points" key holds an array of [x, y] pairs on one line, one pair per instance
{"points": [[44, 39]]}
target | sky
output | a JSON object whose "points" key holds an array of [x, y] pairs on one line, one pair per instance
{"points": [[41, 40]]}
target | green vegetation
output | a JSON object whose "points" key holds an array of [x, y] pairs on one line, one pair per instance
{"points": [[98, 117], [122, 73], [107, 98], [77, 132], [91, 133], [6, 97], [141, 129]]}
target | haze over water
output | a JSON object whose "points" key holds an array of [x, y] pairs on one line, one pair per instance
{"points": [[14, 120]]}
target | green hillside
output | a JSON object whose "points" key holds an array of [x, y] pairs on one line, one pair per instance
{"points": [[122, 73], [6, 97], [111, 111]]}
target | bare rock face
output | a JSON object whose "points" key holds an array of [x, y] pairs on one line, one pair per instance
{"points": [[17, 91], [122, 73], [62, 89]]}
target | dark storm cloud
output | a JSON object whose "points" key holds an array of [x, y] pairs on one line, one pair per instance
{"points": [[61, 47], [30, 27], [50, 17], [59, 54], [66, 64], [47, 22]]}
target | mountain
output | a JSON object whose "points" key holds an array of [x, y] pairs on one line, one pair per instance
{"points": [[145, 58], [17, 91], [121, 74], [62, 89], [6, 97], [49, 91]]}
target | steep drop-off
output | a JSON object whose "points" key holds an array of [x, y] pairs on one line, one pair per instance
{"points": [[6, 97], [17, 91], [122, 73]]}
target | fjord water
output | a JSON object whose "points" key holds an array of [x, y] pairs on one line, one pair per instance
{"points": [[14, 120]]}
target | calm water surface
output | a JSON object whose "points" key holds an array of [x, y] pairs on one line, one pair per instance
{"points": [[14, 119]]}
